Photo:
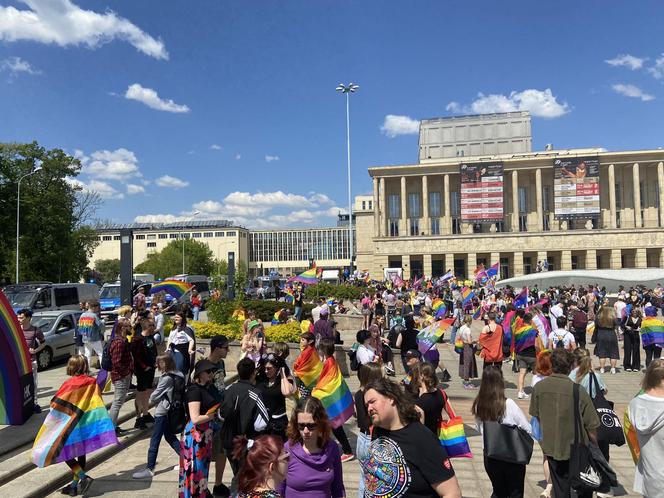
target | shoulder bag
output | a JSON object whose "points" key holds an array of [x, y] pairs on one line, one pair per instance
{"points": [[507, 443], [452, 434], [610, 430], [584, 473]]}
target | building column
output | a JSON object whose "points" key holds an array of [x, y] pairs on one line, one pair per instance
{"points": [[449, 262], [591, 259], [495, 258], [615, 260], [565, 260], [383, 209], [425, 227], [612, 196], [471, 264], [660, 184], [641, 259], [403, 229], [447, 220], [376, 208], [538, 200], [661, 258], [515, 203], [636, 185], [427, 266], [405, 266], [517, 264]]}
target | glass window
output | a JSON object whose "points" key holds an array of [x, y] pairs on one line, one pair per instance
{"points": [[173, 236], [152, 244], [140, 237], [546, 198], [434, 204], [64, 296], [414, 204], [163, 235], [107, 237], [186, 235], [152, 236], [618, 196], [364, 205], [393, 206], [231, 234], [435, 226], [523, 204], [455, 206], [196, 235], [207, 235], [219, 234], [116, 237]]}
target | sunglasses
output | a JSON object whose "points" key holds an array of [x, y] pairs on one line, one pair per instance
{"points": [[311, 427]]}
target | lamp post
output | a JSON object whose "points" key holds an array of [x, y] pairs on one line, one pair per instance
{"points": [[36, 168], [196, 213], [348, 89]]}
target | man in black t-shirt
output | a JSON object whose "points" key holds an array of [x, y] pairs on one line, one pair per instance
{"points": [[405, 458]]}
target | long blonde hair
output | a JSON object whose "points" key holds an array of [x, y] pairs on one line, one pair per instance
{"points": [[584, 363], [606, 318]]}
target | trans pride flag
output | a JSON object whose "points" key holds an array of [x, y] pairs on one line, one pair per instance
{"points": [[332, 390], [308, 367], [525, 336], [652, 331], [77, 424]]}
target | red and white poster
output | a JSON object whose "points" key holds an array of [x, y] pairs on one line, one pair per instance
{"points": [[576, 188], [482, 192]]}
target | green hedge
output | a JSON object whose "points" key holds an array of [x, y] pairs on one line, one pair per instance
{"points": [[324, 289], [221, 311]]}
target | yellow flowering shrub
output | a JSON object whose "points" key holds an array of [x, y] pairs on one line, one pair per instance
{"points": [[288, 332]]}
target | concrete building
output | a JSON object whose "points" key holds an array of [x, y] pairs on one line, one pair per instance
{"points": [[612, 218]]}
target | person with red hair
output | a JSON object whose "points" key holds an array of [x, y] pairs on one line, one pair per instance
{"points": [[263, 468]]}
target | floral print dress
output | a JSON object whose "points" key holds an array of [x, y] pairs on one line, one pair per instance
{"points": [[195, 456]]}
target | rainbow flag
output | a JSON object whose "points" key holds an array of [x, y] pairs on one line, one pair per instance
{"points": [[407, 380], [652, 331], [524, 336], [16, 382], [308, 367], [467, 296], [441, 312], [332, 390], [437, 303], [432, 334], [175, 288], [77, 424], [458, 345], [290, 294], [309, 277], [478, 312], [508, 324]]}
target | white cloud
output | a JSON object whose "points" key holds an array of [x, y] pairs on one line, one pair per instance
{"points": [[238, 157], [135, 189], [633, 91], [171, 182], [627, 60], [16, 65], [160, 218], [269, 159], [658, 69], [540, 103], [399, 125], [120, 164], [150, 98], [104, 190], [63, 23], [215, 147]]}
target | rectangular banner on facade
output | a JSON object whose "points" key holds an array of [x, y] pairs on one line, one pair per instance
{"points": [[482, 192], [576, 188]]}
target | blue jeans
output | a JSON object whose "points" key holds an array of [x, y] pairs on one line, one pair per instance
{"points": [[362, 453], [298, 313], [195, 310], [161, 429]]}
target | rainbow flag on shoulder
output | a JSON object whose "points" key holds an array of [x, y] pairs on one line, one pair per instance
{"points": [[652, 331], [77, 424], [332, 390], [308, 367], [525, 336]]}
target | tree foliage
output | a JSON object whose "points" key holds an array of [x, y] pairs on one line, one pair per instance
{"points": [[240, 281], [198, 258], [108, 269], [55, 242]]}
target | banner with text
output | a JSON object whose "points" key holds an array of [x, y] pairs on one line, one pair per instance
{"points": [[576, 188], [482, 192]]}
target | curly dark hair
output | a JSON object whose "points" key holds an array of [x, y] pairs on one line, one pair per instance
{"points": [[390, 389], [317, 410]]}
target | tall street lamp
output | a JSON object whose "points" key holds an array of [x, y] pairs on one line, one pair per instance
{"points": [[348, 89], [36, 167], [196, 213]]}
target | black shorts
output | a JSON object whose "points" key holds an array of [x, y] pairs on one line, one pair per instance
{"points": [[144, 380]]}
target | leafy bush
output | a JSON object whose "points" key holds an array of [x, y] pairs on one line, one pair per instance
{"points": [[288, 332], [324, 289], [221, 311]]}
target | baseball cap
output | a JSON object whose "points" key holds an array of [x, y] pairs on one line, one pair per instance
{"points": [[413, 353], [204, 366]]}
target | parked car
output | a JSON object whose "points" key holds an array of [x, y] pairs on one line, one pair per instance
{"points": [[58, 328], [46, 296]]}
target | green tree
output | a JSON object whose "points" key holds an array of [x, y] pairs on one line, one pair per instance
{"points": [[56, 241], [240, 281], [199, 260], [108, 268]]}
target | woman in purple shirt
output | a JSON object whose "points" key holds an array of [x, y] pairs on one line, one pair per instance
{"points": [[314, 466]]}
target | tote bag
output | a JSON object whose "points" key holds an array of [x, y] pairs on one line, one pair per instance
{"points": [[507, 443], [452, 434], [584, 473], [610, 430]]}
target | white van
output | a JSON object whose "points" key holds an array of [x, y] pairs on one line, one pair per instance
{"points": [[46, 296]]}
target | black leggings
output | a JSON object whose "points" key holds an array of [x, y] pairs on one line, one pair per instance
{"points": [[652, 353], [80, 461], [340, 434], [506, 478]]}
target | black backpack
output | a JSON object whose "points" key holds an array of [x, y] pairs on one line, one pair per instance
{"points": [[177, 410], [559, 342], [354, 364], [105, 361]]}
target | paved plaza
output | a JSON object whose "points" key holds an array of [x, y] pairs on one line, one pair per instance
{"points": [[114, 466]]}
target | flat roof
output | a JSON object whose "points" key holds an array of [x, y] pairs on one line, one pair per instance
{"points": [[176, 225]]}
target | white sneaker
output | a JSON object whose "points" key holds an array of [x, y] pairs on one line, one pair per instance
{"points": [[177, 468], [613, 371], [143, 474], [522, 395]]}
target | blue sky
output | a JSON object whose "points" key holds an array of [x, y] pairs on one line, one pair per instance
{"points": [[228, 108]]}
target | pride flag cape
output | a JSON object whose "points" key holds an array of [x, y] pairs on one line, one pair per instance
{"points": [[175, 288], [77, 424], [525, 336], [508, 323], [308, 277], [16, 382], [308, 367], [652, 331], [432, 334], [332, 390]]}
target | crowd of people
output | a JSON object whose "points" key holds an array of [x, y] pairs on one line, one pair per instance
{"points": [[280, 426]]}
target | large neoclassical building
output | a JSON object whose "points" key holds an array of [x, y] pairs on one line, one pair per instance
{"points": [[576, 208]]}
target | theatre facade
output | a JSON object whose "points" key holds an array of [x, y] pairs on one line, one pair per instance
{"points": [[576, 209]]}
